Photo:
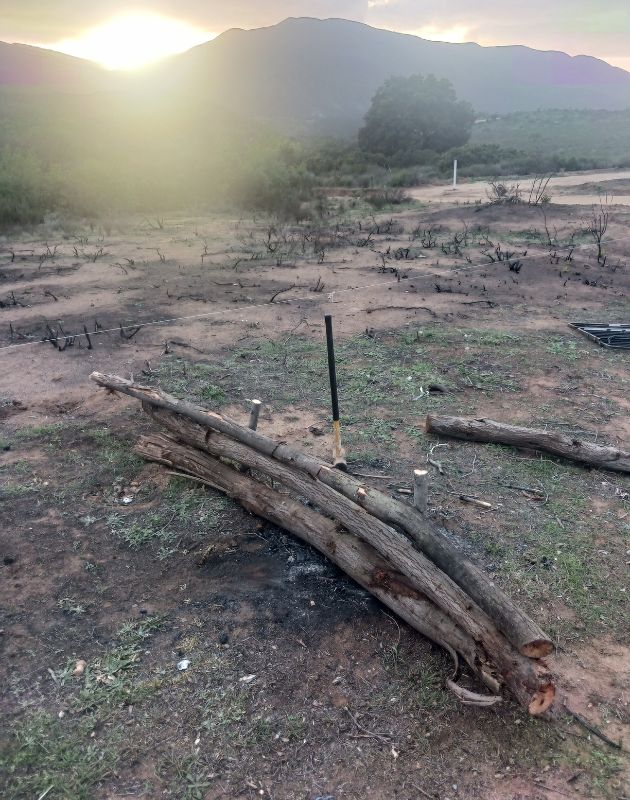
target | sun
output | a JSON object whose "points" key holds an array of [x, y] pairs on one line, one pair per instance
{"points": [[132, 41]]}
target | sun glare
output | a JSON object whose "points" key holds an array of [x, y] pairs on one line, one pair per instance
{"points": [[133, 41]]}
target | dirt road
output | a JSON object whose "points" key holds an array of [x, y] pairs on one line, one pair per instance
{"points": [[559, 189]]}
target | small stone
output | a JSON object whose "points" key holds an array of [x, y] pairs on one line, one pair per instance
{"points": [[224, 638], [79, 668]]}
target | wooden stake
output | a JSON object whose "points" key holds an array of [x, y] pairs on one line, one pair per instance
{"points": [[420, 489], [254, 414]]}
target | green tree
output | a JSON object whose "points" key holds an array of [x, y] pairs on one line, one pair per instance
{"points": [[410, 116]]}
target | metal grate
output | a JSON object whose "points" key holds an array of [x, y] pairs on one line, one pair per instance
{"points": [[615, 335]]}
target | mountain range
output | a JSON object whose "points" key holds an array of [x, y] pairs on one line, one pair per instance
{"points": [[309, 76]]}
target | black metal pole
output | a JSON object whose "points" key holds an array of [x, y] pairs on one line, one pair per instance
{"points": [[339, 456], [332, 369]]}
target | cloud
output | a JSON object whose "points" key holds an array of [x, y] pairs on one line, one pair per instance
{"points": [[41, 20], [576, 26]]}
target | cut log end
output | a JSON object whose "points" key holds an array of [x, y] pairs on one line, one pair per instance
{"points": [[538, 648], [543, 700]]}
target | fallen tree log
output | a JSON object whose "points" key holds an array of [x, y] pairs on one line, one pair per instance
{"points": [[357, 558], [519, 629], [527, 680], [489, 431], [360, 561]]}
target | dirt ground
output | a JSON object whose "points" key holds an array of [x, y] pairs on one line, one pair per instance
{"points": [[575, 189], [299, 684]]}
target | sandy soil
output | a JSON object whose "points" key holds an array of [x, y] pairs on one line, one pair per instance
{"points": [[215, 279], [559, 189]]}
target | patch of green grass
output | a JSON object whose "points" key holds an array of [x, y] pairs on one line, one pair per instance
{"points": [[110, 680], [112, 452], [55, 757], [192, 502], [68, 758], [212, 394], [185, 511], [49, 433], [374, 431], [137, 532], [602, 767], [71, 606], [14, 491], [566, 348], [490, 338], [223, 707], [430, 691], [20, 467]]}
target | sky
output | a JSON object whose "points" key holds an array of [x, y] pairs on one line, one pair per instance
{"points": [[126, 35]]}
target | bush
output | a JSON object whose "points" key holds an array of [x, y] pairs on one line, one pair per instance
{"points": [[276, 189], [27, 189], [380, 198]]}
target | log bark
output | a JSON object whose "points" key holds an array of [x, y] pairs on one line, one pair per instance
{"points": [[520, 630], [489, 431], [528, 681], [358, 559]]}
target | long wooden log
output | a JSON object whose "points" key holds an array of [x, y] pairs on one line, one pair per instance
{"points": [[489, 431], [528, 681], [356, 558], [520, 630]]}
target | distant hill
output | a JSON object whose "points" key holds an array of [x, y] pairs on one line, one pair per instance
{"points": [[22, 66], [318, 76], [594, 138]]}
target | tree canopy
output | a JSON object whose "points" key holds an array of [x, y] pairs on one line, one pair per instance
{"points": [[409, 116]]}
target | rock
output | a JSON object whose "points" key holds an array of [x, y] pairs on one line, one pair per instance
{"points": [[79, 668]]}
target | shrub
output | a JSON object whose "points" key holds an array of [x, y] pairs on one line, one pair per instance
{"points": [[27, 189], [380, 198]]}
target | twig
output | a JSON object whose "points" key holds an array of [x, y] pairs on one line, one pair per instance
{"points": [[367, 475], [280, 291], [475, 501], [523, 488], [382, 737], [436, 464], [593, 729], [422, 792]]}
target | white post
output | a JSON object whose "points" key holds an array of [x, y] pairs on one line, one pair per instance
{"points": [[455, 174]]}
